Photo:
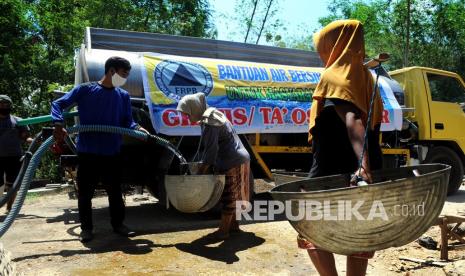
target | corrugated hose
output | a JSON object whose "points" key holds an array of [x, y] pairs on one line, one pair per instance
{"points": [[31, 162]]}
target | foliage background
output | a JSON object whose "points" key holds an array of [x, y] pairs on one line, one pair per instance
{"points": [[38, 39], [437, 33]]}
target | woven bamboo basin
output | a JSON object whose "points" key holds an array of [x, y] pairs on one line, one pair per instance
{"points": [[347, 234], [194, 193]]}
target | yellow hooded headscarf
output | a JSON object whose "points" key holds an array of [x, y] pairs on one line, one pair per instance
{"points": [[340, 45]]}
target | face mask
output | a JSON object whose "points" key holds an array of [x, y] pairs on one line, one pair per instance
{"points": [[5, 111], [117, 80]]}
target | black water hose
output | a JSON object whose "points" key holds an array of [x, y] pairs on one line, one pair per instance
{"points": [[34, 161], [359, 180]]}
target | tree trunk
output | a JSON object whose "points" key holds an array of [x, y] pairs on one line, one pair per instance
{"points": [[264, 21], [251, 19]]}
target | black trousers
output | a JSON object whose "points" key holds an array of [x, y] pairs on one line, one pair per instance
{"points": [[93, 169], [9, 168]]}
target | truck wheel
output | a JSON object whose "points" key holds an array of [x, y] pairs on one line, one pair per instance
{"points": [[447, 156]]}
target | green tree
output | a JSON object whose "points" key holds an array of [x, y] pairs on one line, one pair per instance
{"points": [[177, 17], [301, 42], [255, 20], [436, 36], [38, 39], [59, 30], [449, 35], [17, 46]]}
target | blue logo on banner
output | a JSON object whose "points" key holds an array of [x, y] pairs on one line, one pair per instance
{"points": [[178, 78]]}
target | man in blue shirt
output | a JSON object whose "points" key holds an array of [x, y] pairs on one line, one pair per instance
{"points": [[99, 103]]}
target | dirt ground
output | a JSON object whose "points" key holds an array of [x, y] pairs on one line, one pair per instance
{"points": [[44, 241]]}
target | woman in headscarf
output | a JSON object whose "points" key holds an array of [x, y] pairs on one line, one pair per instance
{"points": [[224, 153], [338, 119]]}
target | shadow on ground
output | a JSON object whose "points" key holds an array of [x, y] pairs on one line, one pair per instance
{"points": [[151, 218], [225, 251], [103, 245], [458, 197], [154, 218]]}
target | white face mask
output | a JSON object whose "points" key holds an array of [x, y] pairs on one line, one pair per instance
{"points": [[117, 80]]}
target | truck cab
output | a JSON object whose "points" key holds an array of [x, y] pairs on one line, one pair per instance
{"points": [[435, 112]]}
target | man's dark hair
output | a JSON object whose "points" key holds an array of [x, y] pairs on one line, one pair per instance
{"points": [[117, 63]]}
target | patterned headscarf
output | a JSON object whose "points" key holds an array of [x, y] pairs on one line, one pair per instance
{"points": [[194, 105]]}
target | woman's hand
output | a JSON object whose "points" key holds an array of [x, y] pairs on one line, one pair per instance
{"points": [[203, 169], [361, 174]]}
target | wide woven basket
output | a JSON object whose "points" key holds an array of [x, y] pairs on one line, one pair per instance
{"points": [[400, 191], [194, 193]]}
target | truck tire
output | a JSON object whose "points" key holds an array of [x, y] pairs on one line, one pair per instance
{"points": [[447, 156]]}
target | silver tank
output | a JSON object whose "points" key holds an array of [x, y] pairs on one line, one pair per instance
{"points": [[90, 67], [100, 44]]}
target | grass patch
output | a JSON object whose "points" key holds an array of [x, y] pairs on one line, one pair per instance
{"points": [[32, 196]]}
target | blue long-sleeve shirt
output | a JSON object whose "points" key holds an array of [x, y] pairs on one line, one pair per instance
{"points": [[97, 105]]}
